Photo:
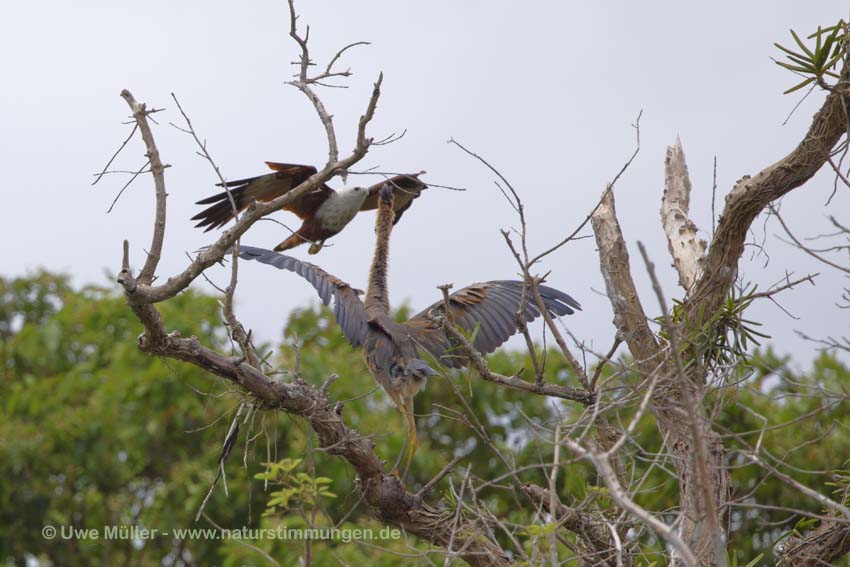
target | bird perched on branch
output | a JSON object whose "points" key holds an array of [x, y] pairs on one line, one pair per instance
{"points": [[324, 212], [393, 351]]}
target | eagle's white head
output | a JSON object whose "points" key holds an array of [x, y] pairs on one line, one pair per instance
{"points": [[341, 207], [354, 195]]}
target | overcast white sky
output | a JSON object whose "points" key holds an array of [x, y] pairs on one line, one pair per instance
{"points": [[547, 92]]}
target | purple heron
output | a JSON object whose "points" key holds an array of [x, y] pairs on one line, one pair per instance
{"points": [[392, 350]]}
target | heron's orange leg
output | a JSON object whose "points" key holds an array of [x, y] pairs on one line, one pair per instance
{"points": [[412, 440], [396, 398]]}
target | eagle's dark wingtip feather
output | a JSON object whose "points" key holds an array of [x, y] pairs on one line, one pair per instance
{"points": [[210, 200]]}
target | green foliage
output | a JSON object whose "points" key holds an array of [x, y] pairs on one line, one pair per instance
{"points": [[732, 336], [300, 489], [841, 485], [724, 337], [97, 434], [818, 61], [30, 300]]}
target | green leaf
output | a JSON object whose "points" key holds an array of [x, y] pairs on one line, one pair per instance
{"points": [[803, 63], [304, 478], [802, 45], [799, 86], [836, 28], [829, 64], [818, 44], [788, 51], [537, 530]]}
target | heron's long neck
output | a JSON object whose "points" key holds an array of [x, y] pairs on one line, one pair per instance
{"points": [[377, 296]]}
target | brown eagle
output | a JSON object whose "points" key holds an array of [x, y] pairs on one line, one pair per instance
{"points": [[324, 212]]}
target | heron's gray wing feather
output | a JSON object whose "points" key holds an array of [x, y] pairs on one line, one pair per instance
{"points": [[487, 310], [348, 309]]}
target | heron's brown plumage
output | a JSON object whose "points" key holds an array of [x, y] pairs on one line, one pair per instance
{"points": [[377, 294], [393, 350]]}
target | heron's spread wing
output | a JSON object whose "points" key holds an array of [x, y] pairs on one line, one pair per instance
{"points": [[406, 188], [489, 311], [348, 309], [267, 187]]}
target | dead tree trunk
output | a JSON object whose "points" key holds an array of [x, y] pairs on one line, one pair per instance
{"points": [[707, 278]]}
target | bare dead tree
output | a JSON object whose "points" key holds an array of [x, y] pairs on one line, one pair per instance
{"points": [[385, 494], [670, 373], [707, 277]]}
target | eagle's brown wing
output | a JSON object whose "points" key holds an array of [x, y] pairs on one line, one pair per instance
{"points": [[487, 310], [348, 309], [267, 187], [406, 188]]}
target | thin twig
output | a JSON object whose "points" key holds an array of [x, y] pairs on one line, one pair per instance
{"points": [[115, 155], [133, 178], [429, 486]]}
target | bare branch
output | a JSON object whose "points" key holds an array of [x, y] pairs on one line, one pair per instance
{"points": [[603, 466], [429, 486], [115, 155], [140, 115], [787, 285], [610, 187], [144, 293], [303, 83], [513, 382], [791, 481], [237, 330], [385, 493], [826, 544], [559, 339], [134, 175], [593, 534], [805, 248], [629, 317], [618, 340], [751, 195]]}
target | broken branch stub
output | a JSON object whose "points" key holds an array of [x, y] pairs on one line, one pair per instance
{"points": [[687, 250]]}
